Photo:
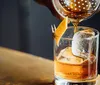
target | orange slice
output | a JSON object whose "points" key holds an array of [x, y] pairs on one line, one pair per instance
{"points": [[60, 30]]}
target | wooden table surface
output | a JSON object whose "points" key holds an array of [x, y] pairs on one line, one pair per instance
{"points": [[18, 68]]}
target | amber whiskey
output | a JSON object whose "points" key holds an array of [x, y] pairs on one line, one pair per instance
{"points": [[70, 67]]}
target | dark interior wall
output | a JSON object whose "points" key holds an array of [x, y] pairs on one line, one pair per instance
{"points": [[9, 26], [25, 26], [35, 28]]}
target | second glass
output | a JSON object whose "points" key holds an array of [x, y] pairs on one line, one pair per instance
{"points": [[76, 57]]}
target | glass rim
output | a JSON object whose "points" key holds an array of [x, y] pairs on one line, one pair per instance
{"points": [[84, 27]]}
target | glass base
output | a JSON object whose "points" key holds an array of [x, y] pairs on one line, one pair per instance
{"points": [[61, 81]]}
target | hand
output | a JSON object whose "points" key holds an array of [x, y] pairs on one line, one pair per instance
{"points": [[49, 5]]}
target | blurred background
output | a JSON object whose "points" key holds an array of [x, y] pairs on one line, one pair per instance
{"points": [[25, 26]]}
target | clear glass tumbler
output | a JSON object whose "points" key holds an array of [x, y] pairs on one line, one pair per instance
{"points": [[76, 57]]}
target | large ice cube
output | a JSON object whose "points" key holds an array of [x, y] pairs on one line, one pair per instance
{"points": [[82, 43], [66, 56]]}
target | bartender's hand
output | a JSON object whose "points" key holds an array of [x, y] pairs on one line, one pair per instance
{"points": [[48, 3]]}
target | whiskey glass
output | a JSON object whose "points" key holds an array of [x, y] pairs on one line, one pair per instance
{"points": [[76, 57]]}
